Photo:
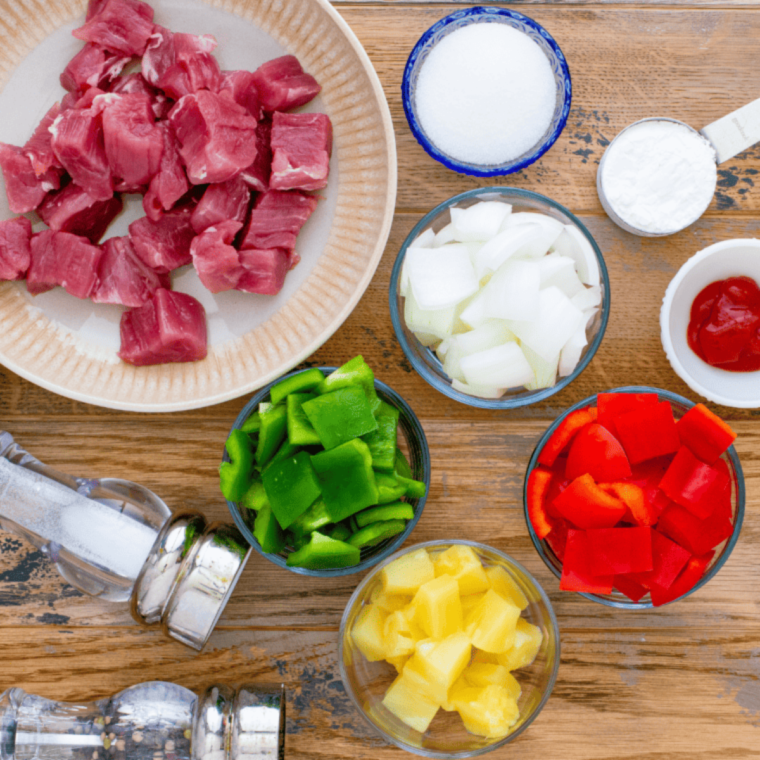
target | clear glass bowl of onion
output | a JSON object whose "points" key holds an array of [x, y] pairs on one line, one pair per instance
{"points": [[499, 297]]}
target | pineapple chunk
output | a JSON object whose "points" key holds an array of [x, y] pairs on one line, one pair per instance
{"points": [[487, 711], [405, 701], [438, 609], [414, 673], [491, 624], [367, 632], [406, 574], [484, 674], [527, 642], [397, 636], [479, 655], [398, 662], [387, 602], [463, 564], [443, 661], [506, 586], [453, 694], [415, 629], [470, 601]]}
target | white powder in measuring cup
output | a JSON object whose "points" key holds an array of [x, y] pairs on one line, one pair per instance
{"points": [[658, 176], [485, 94]]}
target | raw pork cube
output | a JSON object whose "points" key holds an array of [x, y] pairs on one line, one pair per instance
{"points": [[60, 258], [164, 245], [264, 270], [122, 276], [282, 84], [301, 147], [74, 210], [78, 145], [85, 101], [215, 259], [241, 87], [91, 67], [25, 190], [180, 64], [170, 182], [276, 219], [257, 174], [170, 327], [121, 26], [217, 137], [221, 203], [132, 139], [136, 84], [93, 7], [39, 149], [15, 251]]}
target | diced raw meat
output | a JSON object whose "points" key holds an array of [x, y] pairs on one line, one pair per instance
{"points": [[133, 141], [73, 210], [78, 145], [170, 182], [69, 100], [39, 149], [257, 174], [164, 245], [60, 258], [180, 64], [122, 276], [277, 218], [170, 327], [86, 100], [93, 7], [25, 190], [221, 203], [136, 84], [15, 251], [282, 84], [264, 270], [91, 67], [217, 137], [215, 259], [241, 87], [301, 148], [121, 26]]}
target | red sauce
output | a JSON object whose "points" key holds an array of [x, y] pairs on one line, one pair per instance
{"points": [[724, 329]]}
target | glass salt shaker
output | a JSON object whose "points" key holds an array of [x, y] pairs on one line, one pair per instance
{"points": [[151, 721], [118, 541]]}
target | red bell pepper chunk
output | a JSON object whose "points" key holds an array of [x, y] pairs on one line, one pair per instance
{"points": [[693, 484], [616, 551], [706, 435], [596, 451], [576, 574], [695, 535], [640, 510], [557, 539], [538, 485], [586, 505], [694, 570], [565, 433], [648, 432], [612, 405], [633, 590], [669, 559]]}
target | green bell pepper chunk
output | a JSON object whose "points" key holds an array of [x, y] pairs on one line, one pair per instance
{"points": [[314, 518], [323, 552], [300, 431], [388, 488], [286, 450], [340, 416], [376, 532], [382, 442], [255, 497], [303, 381], [291, 486], [353, 372], [415, 489], [272, 431], [339, 532], [252, 424], [346, 478], [402, 467], [267, 531], [235, 475], [399, 510]]}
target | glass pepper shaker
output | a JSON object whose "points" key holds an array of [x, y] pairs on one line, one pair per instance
{"points": [[118, 541], [151, 721]]}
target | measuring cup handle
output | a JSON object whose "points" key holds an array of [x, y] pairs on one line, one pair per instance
{"points": [[734, 132]]}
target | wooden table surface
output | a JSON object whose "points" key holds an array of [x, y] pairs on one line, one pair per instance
{"points": [[680, 683]]}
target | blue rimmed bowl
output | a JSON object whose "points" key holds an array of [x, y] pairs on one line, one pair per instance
{"points": [[680, 406], [412, 442], [489, 15]]}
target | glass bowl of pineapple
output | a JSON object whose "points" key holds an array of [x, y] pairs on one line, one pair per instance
{"points": [[449, 649]]}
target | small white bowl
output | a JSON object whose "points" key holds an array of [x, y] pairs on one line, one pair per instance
{"points": [[729, 258]]}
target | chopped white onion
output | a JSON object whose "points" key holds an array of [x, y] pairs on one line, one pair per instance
{"points": [[551, 228], [437, 322], [441, 277], [502, 366], [493, 332], [474, 314], [573, 243], [571, 352], [560, 271], [505, 245], [444, 235], [480, 221], [512, 293], [587, 298], [424, 239], [481, 391], [545, 371]]}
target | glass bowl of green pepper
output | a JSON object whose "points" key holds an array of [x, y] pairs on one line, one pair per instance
{"points": [[326, 470]]}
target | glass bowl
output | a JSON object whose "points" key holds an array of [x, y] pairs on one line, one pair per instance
{"points": [[366, 682], [412, 442], [680, 406], [424, 359], [489, 15]]}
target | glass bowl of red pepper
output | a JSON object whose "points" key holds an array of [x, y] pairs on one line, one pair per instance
{"points": [[635, 497], [326, 511], [710, 323]]}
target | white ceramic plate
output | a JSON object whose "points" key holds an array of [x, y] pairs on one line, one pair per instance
{"points": [[69, 346]]}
